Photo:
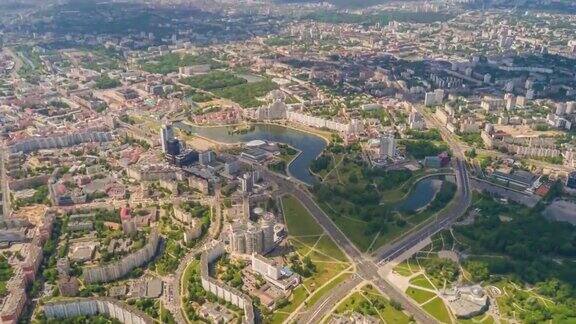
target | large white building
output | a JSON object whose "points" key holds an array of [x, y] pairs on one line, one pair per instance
{"points": [[266, 268], [467, 301], [220, 289], [92, 306], [351, 127], [387, 146], [267, 224], [434, 98], [415, 120], [122, 267], [54, 142], [166, 134], [280, 277], [249, 238], [276, 110]]}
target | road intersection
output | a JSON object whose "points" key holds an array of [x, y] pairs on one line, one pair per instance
{"points": [[368, 266]]}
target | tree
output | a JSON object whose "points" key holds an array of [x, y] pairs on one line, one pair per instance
{"points": [[478, 270], [105, 82], [471, 153], [320, 163], [396, 305]]}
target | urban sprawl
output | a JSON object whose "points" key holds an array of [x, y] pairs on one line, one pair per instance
{"points": [[259, 161]]}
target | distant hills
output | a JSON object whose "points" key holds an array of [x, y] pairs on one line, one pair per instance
{"points": [[566, 6], [560, 6], [340, 3]]}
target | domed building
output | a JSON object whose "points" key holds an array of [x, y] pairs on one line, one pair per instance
{"points": [[466, 301]]}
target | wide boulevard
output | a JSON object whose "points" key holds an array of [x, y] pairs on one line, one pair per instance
{"points": [[366, 266]]}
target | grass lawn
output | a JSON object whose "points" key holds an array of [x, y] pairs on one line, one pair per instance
{"points": [[413, 265], [308, 239], [297, 297], [307, 234], [349, 303], [322, 257], [437, 309], [419, 295], [191, 266], [324, 272], [394, 195], [301, 247], [484, 319], [403, 269], [298, 220], [354, 229], [328, 247], [357, 302], [389, 313], [326, 289], [392, 315], [421, 281]]}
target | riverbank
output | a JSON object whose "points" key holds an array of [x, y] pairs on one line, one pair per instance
{"points": [[352, 195], [201, 143], [310, 145], [326, 135]]}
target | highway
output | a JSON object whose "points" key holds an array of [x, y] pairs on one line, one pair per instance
{"points": [[366, 268], [325, 305], [446, 217], [442, 220]]}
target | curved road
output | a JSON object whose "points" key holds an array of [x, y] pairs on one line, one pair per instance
{"points": [[174, 302], [367, 268], [443, 219]]}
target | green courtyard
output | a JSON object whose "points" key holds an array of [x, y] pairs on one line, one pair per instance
{"points": [[361, 200], [328, 265]]}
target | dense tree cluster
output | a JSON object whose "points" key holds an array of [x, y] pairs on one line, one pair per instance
{"points": [[440, 269], [527, 246], [419, 149], [171, 62], [278, 166], [247, 94], [6, 273], [105, 82], [231, 271], [195, 209], [387, 180], [96, 319], [429, 135], [214, 80], [303, 267]]}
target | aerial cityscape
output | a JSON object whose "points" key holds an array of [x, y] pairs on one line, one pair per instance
{"points": [[288, 161]]}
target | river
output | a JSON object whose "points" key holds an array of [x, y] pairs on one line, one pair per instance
{"points": [[422, 194], [309, 144]]}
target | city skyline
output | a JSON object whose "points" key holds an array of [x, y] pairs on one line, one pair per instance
{"points": [[287, 161]]}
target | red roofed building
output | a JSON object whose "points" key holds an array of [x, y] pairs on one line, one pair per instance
{"points": [[444, 159], [125, 213], [542, 191], [32, 262]]}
